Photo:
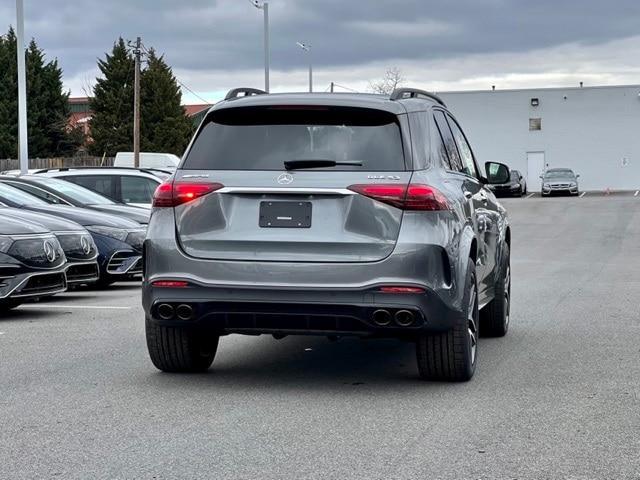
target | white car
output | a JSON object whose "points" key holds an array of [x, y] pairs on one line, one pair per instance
{"points": [[122, 185], [166, 161]]}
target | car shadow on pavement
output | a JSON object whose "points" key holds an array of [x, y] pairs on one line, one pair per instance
{"points": [[303, 363], [28, 314]]}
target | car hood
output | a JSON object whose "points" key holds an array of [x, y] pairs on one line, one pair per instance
{"points": [[14, 226], [137, 214], [50, 222], [84, 216], [559, 179]]}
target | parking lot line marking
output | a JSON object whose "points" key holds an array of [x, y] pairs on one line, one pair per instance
{"points": [[583, 194], [88, 307], [530, 195], [636, 194]]}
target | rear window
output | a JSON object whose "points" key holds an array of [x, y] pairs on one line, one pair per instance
{"points": [[263, 138]]}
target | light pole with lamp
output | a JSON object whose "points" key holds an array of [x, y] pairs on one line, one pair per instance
{"points": [[307, 48], [264, 6]]}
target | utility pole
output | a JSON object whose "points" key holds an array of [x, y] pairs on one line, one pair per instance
{"points": [[331, 87], [264, 6], [23, 149], [136, 105], [307, 48]]}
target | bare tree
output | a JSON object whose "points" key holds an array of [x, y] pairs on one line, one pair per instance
{"points": [[393, 78]]}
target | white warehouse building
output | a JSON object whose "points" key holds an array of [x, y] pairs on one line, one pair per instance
{"points": [[593, 130]]}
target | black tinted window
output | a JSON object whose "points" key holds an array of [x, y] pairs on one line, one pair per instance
{"points": [[264, 138], [137, 189], [449, 142], [103, 184], [464, 150]]}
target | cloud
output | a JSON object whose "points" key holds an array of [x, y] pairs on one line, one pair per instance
{"points": [[216, 44]]}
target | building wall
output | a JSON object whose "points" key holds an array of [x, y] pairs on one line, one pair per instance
{"points": [[593, 130]]}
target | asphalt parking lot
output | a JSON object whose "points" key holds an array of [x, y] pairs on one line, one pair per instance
{"points": [[559, 397]]}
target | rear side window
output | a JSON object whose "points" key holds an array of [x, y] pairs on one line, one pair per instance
{"points": [[449, 142], [102, 184], [137, 189], [468, 164], [263, 138]]}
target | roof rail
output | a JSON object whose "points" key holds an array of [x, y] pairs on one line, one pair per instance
{"points": [[400, 93], [246, 92], [149, 170]]}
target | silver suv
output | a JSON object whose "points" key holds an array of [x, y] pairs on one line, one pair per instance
{"points": [[328, 214]]}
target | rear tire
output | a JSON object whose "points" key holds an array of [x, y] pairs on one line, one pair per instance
{"points": [[452, 355], [494, 317], [180, 349]]}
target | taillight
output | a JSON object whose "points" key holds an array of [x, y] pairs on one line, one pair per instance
{"points": [[406, 197], [170, 284], [401, 289], [174, 193]]}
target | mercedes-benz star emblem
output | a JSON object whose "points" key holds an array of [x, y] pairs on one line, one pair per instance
{"points": [[285, 179], [49, 251], [86, 246]]}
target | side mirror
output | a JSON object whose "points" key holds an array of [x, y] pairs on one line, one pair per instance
{"points": [[496, 172]]}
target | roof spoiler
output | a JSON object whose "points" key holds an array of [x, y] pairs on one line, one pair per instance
{"points": [[243, 92], [400, 93]]}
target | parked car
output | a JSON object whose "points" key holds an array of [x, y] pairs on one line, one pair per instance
{"points": [[57, 191], [147, 160], [516, 186], [32, 263], [320, 215], [119, 240], [123, 185], [78, 245], [560, 180]]}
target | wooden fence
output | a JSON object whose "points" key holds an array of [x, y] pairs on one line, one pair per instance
{"points": [[85, 161]]}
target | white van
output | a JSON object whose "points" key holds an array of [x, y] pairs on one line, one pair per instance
{"points": [[167, 161]]}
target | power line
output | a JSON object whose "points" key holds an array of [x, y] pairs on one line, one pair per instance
{"points": [[182, 84]]}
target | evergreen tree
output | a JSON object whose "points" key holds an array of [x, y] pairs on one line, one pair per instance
{"points": [[112, 103], [47, 103], [164, 124]]}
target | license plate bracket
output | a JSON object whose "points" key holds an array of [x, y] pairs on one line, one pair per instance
{"points": [[285, 215]]}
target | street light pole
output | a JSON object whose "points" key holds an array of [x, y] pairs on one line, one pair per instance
{"points": [[23, 149], [307, 48], [264, 6]]}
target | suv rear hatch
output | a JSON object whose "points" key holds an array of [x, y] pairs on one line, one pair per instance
{"points": [[273, 184]]}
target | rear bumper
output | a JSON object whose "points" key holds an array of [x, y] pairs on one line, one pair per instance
{"points": [[300, 311]]}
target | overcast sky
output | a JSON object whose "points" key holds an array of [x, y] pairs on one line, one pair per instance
{"points": [[438, 44]]}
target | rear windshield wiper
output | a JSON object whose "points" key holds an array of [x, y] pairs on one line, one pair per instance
{"points": [[295, 164]]}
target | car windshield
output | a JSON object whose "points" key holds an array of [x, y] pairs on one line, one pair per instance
{"points": [[11, 195], [559, 174], [265, 138], [515, 175], [75, 192]]}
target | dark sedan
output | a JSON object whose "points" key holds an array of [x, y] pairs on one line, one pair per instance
{"points": [[118, 239], [76, 241], [516, 186], [61, 192], [32, 263]]}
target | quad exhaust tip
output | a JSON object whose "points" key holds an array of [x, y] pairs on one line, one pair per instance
{"points": [[404, 318], [165, 311], [382, 317], [184, 312]]}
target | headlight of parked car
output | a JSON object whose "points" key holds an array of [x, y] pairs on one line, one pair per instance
{"points": [[5, 244], [117, 233]]}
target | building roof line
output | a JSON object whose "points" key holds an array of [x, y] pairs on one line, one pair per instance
{"points": [[543, 89]]}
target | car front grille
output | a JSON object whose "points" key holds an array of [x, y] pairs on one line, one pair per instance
{"points": [[42, 285], [125, 263], [33, 252], [85, 272], [77, 246]]}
